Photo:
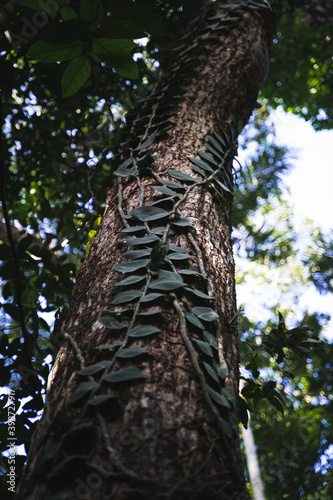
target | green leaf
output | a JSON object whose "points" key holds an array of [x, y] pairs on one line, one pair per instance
{"points": [[145, 240], [172, 185], [205, 348], [230, 395], [205, 313], [194, 320], [199, 294], [182, 222], [148, 213], [124, 375], [176, 248], [97, 367], [210, 370], [213, 150], [101, 399], [133, 229], [113, 324], [166, 284], [181, 176], [178, 256], [116, 53], [83, 389], [208, 158], [150, 297], [75, 75], [67, 13], [191, 272], [88, 10], [198, 171], [222, 370], [227, 428], [216, 145], [130, 280], [124, 170], [49, 53], [218, 398], [201, 164], [129, 267], [123, 297], [148, 142], [165, 190], [211, 339], [114, 344], [137, 254], [131, 352], [143, 331]]}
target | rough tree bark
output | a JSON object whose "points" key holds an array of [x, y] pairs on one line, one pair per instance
{"points": [[161, 439]]}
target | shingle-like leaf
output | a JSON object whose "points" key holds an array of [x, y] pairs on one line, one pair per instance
{"points": [[165, 190], [181, 176], [115, 343], [222, 370], [151, 296], [210, 370], [130, 280], [133, 229], [202, 164], [83, 389], [178, 256], [130, 352], [123, 297], [124, 375], [200, 294], [230, 395], [166, 284], [143, 331], [92, 369], [112, 323], [148, 142], [205, 313], [172, 184], [149, 213], [194, 320], [145, 240], [205, 348], [137, 254], [211, 339], [182, 222], [218, 398], [100, 399], [128, 267]]}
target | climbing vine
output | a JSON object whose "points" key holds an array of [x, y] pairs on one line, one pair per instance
{"points": [[158, 275]]}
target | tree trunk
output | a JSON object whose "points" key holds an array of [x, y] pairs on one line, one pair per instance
{"points": [[164, 436]]}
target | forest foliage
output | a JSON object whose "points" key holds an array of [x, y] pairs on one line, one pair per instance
{"points": [[71, 81]]}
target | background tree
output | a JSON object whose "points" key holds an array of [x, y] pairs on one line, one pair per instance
{"points": [[50, 189]]}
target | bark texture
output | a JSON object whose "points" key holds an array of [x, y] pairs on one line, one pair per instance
{"points": [[160, 441]]}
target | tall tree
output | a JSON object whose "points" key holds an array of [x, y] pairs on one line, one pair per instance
{"points": [[141, 401]]}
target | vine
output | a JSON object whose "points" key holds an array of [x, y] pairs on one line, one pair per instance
{"points": [[155, 269]]}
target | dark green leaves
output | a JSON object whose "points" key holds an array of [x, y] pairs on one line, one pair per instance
{"points": [[131, 352], [48, 53], [83, 389], [116, 53], [205, 313], [123, 297], [124, 375], [143, 331], [149, 213], [129, 267], [112, 323], [181, 176], [166, 284], [75, 75]]}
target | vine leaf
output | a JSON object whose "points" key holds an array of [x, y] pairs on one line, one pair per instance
{"points": [[133, 229], [147, 143], [145, 240], [194, 320], [172, 185], [166, 284], [210, 370], [230, 395], [110, 322], [222, 370], [99, 400], [149, 213], [75, 75], [200, 294], [143, 331], [182, 221], [151, 296], [201, 164], [124, 374], [218, 398], [211, 339], [137, 254], [82, 390], [128, 267], [97, 367], [165, 190], [181, 176], [227, 428], [130, 280], [116, 343], [123, 297], [205, 313], [205, 348], [178, 256], [131, 352]]}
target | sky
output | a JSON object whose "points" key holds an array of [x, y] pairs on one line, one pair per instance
{"points": [[310, 183]]}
